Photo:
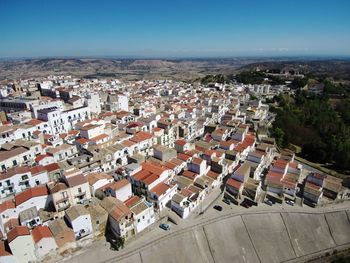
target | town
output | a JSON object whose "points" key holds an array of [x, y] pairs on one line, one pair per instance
{"points": [[90, 159]]}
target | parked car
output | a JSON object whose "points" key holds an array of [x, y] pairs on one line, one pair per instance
{"points": [[250, 202], [226, 201], [165, 227], [290, 202], [268, 202], [218, 207], [245, 204]]}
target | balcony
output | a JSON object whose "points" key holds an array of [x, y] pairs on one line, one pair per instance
{"points": [[63, 206], [7, 186], [24, 182], [80, 194], [63, 199]]}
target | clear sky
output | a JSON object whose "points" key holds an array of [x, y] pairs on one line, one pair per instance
{"points": [[184, 28]]}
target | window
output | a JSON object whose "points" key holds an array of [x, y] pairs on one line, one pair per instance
{"points": [[25, 158], [3, 167], [138, 220], [24, 177], [14, 162]]}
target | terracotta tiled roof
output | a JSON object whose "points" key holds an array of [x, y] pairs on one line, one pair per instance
{"points": [[120, 211], [82, 141], [153, 168], [234, 183], [14, 171], [37, 169], [52, 167], [197, 161], [99, 137], [41, 232], [30, 193], [121, 183], [183, 157], [41, 157], [160, 189], [76, 180], [180, 142], [16, 232], [9, 204], [189, 174], [141, 136], [132, 201], [4, 250], [34, 122]]}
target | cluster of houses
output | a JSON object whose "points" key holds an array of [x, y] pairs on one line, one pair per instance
{"points": [[84, 159]]}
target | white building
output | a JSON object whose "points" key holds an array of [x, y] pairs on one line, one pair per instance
{"points": [[44, 241], [93, 101], [20, 178], [21, 244], [143, 212], [79, 219]]}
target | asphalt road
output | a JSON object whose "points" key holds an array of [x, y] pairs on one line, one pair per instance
{"points": [[136, 251]]}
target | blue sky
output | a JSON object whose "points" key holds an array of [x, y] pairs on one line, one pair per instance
{"points": [[174, 28]]}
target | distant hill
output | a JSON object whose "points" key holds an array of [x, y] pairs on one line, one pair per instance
{"points": [[177, 69], [337, 68], [119, 68]]}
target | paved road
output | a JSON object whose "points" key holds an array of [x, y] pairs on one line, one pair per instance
{"points": [[100, 252]]}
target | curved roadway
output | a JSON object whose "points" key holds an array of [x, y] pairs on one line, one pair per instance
{"points": [[260, 234]]}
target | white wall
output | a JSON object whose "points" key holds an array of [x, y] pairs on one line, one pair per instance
{"points": [[23, 249]]}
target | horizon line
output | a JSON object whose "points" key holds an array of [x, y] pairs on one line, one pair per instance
{"points": [[275, 56]]}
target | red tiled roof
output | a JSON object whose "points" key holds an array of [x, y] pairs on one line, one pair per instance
{"points": [[150, 179], [153, 168], [15, 171], [34, 122], [213, 175], [274, 174], [16, 232], [183, 157], [82, 141], [30, 193], [132, 201], [197, 161], [120, 184], [160, 189], [41, 232], [127, 143], [9, 204], [41, 157], [120, 211], [141, 136], [99, 137], [37, 169], [141, 175], [189, 174], [4, 250], [52, 167], [234, 183], [180, 142]]}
